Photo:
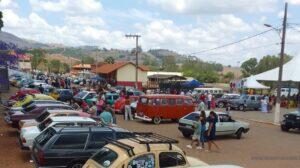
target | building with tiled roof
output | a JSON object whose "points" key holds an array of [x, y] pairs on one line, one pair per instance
{"points": [[122, 73]]}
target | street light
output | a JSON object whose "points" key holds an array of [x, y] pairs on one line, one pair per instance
{"points": [[279, 82]]}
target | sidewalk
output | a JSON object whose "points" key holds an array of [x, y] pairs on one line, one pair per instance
{"points": [[258, 116]]}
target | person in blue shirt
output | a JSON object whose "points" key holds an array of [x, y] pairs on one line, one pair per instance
{"points": [[211, 133], [106, 117], [202, 128]]}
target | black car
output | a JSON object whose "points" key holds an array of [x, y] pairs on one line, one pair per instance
{"points": [[223, 101], [291, 121], [65, 95], [72, 146]]}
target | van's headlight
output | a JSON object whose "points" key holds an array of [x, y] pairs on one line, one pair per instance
{"points": [[298, 118]]}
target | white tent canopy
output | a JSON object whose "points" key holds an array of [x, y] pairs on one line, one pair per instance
{"points": [[290, 72], [251, 83]]}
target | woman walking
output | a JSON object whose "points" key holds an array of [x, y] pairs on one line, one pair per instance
{"points": [[211, 133], [202, 128]]}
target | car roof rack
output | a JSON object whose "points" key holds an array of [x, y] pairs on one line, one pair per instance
{"points": [[128, 148], [146, 138]]}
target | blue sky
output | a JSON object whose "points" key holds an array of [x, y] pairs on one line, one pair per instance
{"points": [[185, 26]]}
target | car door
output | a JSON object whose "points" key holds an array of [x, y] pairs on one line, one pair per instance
{"points": [[66, 148], [225, 124]]}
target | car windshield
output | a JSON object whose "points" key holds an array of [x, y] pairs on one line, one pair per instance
{"points": [[42, 117], [105, 157], [44, 124], [27, 104], [81, 94]]}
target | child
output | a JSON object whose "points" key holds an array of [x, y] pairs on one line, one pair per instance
{"points": [[202, 120], [196, 135]]}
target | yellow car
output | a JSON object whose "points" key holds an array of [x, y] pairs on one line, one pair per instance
{"points": [[148, 151], [30, 97]]}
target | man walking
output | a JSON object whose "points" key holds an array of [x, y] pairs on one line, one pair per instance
{"points": [[209, 98]]}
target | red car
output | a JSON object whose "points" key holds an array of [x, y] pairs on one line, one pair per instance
{"points": [[119, 105], [22, 93]]}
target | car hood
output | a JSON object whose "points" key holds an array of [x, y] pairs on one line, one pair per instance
{"points": [[30, 131]]}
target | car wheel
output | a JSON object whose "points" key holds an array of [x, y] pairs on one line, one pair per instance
{"points": [[221, 105], [285, 128], [239, 133], [186, 135], [241, 108], [156, 120], [76, 165]]}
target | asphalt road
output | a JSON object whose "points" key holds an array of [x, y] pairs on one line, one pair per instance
{"points": [[264, 146]]}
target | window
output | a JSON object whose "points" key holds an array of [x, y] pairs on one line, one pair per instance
{"points": [[74, 141], [171, 159], [105, 157], [150, 101], [179, 101], [156, 102], [45, 136], [97, 140], [143, 100], [123, 135], [91, 95], [146, 160], [42, 117], [252, 98], [192, 116], [73, 114], [224, 118], [44, 124], [172, 102], [164, 101], [188, 101], [81, 94]]}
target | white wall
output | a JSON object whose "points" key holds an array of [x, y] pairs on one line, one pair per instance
{"points": [[127, 74]]}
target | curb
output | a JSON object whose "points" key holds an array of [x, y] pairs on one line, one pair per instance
{"points": [[259, 121]]}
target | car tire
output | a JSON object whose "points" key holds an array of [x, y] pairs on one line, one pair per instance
{"points": [[285, 128], [241, 107], [156, 120], [221, 105], [239, 133], [186, 135], [76, 165]]}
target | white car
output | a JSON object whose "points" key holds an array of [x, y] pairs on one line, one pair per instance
{"points": [[27, 134], [225, 124]]}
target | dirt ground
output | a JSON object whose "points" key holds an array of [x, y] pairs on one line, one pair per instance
{"points": [[264, 146]]}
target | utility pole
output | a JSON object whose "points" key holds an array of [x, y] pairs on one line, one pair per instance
{"points": [[279, 83], [136, 56]]}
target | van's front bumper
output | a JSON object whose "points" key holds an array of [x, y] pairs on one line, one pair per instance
{"points": [[144, 118]]}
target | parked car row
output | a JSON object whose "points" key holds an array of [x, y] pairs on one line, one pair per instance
{"points": [[59, 136]]}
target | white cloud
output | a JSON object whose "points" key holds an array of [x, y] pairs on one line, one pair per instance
{"points": [[7, 4], [84, 20], [72, 7], [215, 6], [294, 2]]}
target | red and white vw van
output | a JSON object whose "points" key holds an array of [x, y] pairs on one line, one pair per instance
{"points": [[163, 106]]}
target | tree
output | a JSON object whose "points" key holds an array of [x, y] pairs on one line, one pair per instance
{"points": [[88, 60], [270, 62], [169, 63], [249, 67], [55, 66], [38, 57], [228, 76], [65, 68], [109, 60], [1, 21]]}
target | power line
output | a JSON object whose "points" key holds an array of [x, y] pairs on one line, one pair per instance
{"points": [[232, 43]]}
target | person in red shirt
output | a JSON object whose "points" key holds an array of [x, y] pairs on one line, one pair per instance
{"points": [[84, 106]]}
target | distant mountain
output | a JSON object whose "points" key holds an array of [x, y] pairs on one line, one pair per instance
{"points": [[19, 42]]}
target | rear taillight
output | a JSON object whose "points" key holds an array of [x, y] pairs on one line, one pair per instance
{"points": [[41, 158]]}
